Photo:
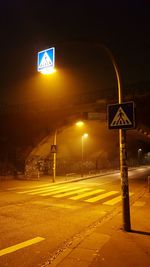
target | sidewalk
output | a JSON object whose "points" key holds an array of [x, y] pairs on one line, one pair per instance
{"points": [[70, 177], [109, 246], [59, 179]]}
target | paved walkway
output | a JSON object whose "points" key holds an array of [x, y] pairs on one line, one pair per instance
{"points": [[71, 177], [109, 246], [58, 179]]}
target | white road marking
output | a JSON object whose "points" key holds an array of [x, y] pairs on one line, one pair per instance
{"points": [[97, 198], [21, 245], [59, 191], [115, 200], [72, 193], [87, 194]]}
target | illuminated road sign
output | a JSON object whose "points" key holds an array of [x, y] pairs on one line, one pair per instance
{"points": [[46, 60]]}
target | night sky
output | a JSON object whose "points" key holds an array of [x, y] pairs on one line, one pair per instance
{"points": [[30, 26]]}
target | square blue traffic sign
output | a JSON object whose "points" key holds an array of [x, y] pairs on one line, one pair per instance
{"points": [[46, 59], [121, 116]]}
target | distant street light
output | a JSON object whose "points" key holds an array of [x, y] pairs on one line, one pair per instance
{"points": [[139, 155], [84, 136], [48, 71], [80, 123]]}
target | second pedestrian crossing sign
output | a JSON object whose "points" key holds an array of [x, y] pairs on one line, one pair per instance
{"points": [[53, 148], [121, 116]]}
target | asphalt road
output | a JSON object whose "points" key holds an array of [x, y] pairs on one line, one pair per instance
{"points": [[39, 219]]}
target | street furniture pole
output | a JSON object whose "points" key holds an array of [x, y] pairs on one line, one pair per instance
{"points": [[123, 152], [82, 156], [123, 159], [54, 157]]}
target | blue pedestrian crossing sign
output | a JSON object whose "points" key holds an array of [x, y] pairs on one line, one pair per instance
{"points": [[46, 60], [121, 116]]}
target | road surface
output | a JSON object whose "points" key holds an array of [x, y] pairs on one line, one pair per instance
{"points": [[39, 219]]}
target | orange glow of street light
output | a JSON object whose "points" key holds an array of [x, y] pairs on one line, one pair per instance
{"points": [[48, 71], [79, 123], [85, 135]]}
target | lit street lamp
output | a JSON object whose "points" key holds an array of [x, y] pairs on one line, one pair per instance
{"points": [[84, 136], [139, 155], [79, 123]]}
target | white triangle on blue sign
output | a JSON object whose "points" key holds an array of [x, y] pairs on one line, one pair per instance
{"points": [[46, 61]]}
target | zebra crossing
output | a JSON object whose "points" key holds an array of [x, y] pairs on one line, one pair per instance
{"points": [[73, 193]]}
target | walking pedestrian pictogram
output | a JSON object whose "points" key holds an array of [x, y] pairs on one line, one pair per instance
{"points": [[121, 118], [53, 148]]}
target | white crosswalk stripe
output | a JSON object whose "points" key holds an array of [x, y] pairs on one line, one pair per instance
{"points": [[47, 190], [115, 200], [74, 193], [87, 194], [99, 197], [60, 191]]}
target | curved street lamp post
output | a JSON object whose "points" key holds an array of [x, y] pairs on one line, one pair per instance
{"points": [[122, 146], [123, 153]]}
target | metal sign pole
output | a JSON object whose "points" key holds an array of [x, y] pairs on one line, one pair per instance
{"points": [[82, 155], [124, 180], [54, 158], [123, 158]]}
